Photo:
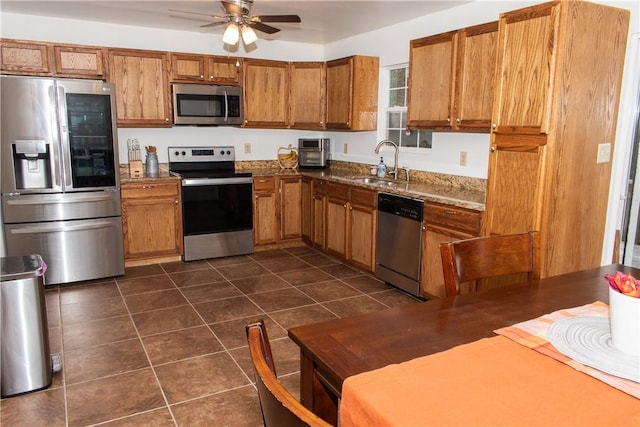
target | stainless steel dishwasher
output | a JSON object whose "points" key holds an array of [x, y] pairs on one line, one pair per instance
{"points": [[399, 241]]}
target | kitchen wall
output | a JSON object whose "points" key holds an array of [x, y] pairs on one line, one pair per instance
{"points": [[391, 44]]}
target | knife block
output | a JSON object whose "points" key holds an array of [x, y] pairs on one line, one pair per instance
{"points": [[135, 169]]}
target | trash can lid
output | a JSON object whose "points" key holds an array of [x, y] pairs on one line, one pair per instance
{"points": [[21, 267]]}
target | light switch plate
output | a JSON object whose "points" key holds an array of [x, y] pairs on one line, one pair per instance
{"points": [[247, 148], [604, 153], [463, 158], [346, 148]]}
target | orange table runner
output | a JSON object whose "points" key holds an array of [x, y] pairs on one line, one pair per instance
{"points": [[493, 381], [533, 334]]}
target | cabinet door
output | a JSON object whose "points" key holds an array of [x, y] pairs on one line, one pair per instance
{"points": [[475, 76], [362, 230], [265, 211], [318, 218], [339, 90], [526, 60], [187, 68], [224, 70], [24, 58], [307, 209], [432, 278], [266, 93], [290, 207], [152, 227], [337, 227], [431, 81], [307, 95], [515, 187], [142, 90], [79, 62]]}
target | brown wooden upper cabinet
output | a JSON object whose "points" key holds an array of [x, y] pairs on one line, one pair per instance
{"points": [[308, 95], [205, 69], [266, 93], [76, 61], [451, 79], [527, 53], [142, 87], [24, 58], [352, 93], [46, 59]]}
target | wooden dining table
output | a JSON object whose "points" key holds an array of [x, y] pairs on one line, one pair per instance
{"points": [[334, 350]]}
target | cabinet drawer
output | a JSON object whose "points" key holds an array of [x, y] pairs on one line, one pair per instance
{"points": [[263, 183], [363, 197], [452, 217], [337, 191], [151, 189], [319, 187]]}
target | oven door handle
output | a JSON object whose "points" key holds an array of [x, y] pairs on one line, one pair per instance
{"points": [[215, 181]]}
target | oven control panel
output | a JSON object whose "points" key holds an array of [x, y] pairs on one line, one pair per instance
{"points": [[202, 154]]}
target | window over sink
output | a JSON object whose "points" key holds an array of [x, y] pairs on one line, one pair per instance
{"points": [[396, 112]]}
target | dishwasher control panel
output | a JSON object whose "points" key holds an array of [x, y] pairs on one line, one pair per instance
{"points": [[402, 206]]}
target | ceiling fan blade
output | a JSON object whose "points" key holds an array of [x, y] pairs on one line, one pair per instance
{"points": [[213, 24], [276, 18], [197, 13], [264, 27]]}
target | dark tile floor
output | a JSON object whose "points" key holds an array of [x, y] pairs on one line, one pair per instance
{"points": [[164, 345]]}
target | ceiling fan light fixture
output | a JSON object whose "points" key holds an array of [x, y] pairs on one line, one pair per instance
{"points": [[248, 35], [231, 34]]}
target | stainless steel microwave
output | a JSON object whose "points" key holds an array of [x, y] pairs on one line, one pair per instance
{"points": [[212, 105]]}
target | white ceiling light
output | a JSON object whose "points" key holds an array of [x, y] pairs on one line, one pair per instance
{"points": [[248, 35], [231, 34]]}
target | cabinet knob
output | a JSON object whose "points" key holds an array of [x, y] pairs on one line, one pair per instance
{"points": [[493, 148], [176, 201], [448, 120], [201, 76], [458, 120], [344, 206], [246, 122], [494, 126], [212, 77]]}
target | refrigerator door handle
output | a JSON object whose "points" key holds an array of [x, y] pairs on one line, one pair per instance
{"points": [[60, 226], [64, 138], [26, 200], [55, 144]]}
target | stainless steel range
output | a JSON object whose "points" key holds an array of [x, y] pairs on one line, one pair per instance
{"points": [[217, 207]]}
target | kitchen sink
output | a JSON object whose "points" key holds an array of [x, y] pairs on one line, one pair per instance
{"points": [[375, 181]]}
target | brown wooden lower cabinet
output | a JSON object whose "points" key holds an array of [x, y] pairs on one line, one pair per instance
{"points": [[443, 223], [151, 222], [344, 222], [277, 211]]}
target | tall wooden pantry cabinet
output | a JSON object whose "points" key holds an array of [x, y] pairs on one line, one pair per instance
{"points": [[557, 90]]}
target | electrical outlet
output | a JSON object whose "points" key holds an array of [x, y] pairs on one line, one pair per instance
{"points": [[346, 148], [604, 153], [247, 148], [463, 158]]}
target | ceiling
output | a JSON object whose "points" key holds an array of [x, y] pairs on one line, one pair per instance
{"points": [[322, 21]]}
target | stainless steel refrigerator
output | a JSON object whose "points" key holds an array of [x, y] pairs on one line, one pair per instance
{"points": [[60, 179]]}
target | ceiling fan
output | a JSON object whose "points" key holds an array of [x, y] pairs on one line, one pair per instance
{"points": [[237, 16]]}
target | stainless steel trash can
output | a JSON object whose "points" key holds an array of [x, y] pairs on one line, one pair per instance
{"points": [[25, 361]]}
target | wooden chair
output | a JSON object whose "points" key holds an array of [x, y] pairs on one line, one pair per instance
{"points": [[279, 407], [488, 257]]}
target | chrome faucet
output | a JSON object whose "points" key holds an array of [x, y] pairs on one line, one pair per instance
{"points": [[393, 172]]}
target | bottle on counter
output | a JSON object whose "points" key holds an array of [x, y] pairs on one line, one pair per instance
{"points": [[382, 169]]}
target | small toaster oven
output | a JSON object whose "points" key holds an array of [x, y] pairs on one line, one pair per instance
{"points": [[313, 152]]}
